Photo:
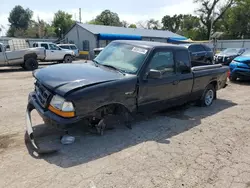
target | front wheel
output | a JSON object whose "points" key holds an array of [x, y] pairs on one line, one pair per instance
{"points": [[68, 59], [208, 96]]}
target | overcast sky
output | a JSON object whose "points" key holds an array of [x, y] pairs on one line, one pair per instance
{"points": [[129, 10]]}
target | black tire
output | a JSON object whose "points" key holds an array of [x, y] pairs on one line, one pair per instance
{"points": [[208, 96], [232, 78], [68, 59], [208, 61], [30, 64], [22, 65]]}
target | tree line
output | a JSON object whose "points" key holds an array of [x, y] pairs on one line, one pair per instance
{"points": [[230, 17]]}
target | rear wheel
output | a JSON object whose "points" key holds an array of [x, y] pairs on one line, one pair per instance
{"points": [[30, 64], [208, 96], [208, 61], [68, 59]]}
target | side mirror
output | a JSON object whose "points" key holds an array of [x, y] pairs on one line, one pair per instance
{"points": [[154, 74]]}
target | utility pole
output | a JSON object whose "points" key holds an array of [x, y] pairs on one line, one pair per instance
{"points": [[80, 15], [212, 23]]}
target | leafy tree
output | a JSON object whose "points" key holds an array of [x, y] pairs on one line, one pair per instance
{"points": [[132, 26], [153, 24], [94, 22], [107, 18], [172, 23], [211, 11], [19, 20], [62, 22], [124, 23], [149, 24], [186, 25], [236, 22]]}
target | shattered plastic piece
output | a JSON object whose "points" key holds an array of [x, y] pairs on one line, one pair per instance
{"points": [[66, 139]]}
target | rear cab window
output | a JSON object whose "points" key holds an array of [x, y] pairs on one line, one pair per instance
{"points": [[182, 61]]}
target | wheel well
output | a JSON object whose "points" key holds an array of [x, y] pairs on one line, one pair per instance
{"points": [[67, 55], [210, 59], [114, 108], [27, 56], [215, 84]]}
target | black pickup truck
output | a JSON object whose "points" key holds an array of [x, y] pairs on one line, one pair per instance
{"points": [[127, 77]]}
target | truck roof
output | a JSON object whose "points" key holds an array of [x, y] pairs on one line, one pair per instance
{"points": [[150, 44]]}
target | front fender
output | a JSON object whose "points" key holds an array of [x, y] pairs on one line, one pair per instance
{"points": [[123, 92]]}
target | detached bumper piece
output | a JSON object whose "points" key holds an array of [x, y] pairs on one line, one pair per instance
{"points": [[29, 129], [49, 117]]}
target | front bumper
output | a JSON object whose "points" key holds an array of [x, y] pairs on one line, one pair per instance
{"points": [[222, 61], [241, 72], [48, 116]]}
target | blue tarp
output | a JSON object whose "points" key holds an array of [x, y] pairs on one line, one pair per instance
{"points": [[106, 36], [177, 39]]}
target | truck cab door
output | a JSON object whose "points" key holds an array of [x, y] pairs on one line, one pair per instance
{"points": [[49, 55], [184, 76], [155, 93], [56, 52], [2, 56]]}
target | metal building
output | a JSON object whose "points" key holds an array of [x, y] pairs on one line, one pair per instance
{"points": [[88, 36]]}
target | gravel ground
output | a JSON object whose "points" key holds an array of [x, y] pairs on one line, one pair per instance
{"points": [[189, 147]]}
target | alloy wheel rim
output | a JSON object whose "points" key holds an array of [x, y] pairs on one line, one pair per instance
{"points": [[209, 97]]}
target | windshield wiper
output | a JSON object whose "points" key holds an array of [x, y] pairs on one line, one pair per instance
{"points": [[112, 67], [95, 62]]}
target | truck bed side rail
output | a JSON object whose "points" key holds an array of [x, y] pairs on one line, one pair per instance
{"points": [[206, 67]]}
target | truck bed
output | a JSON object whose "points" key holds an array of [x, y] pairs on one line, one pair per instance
{"points": [[207, 73]]}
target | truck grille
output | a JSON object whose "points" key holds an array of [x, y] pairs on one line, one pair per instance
{"points": [[42, 94]]}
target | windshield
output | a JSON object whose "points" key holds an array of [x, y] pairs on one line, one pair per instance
{"points": [[246, 53], [73, 47], [231, 50], [125, 57]]}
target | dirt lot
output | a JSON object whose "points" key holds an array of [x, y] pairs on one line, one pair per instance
{"points": [[189, 147]]}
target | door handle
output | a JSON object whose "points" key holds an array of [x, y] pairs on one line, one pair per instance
{"points": [[52, 51], [176, 82]]}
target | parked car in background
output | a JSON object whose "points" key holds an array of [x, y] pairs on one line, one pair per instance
{"points": [[201, 54], [226, 56], [128, 77], [240, 66], [26, 58], [55, 53], [70, 47]]}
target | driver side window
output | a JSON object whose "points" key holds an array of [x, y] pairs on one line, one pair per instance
{"points": [[164, 62], [53, 47]]}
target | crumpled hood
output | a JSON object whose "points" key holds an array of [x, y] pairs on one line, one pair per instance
{"points": [[63, 78], [226, 54]]}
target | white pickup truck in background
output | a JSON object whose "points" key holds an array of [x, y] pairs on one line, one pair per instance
{"points": [[55, 53], [20, 55]]}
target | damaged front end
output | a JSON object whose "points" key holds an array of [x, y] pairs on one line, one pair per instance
{"points": [[30, 133], [40, 100]]}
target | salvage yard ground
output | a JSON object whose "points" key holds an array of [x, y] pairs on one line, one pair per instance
{"points": [[184, 147]]}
